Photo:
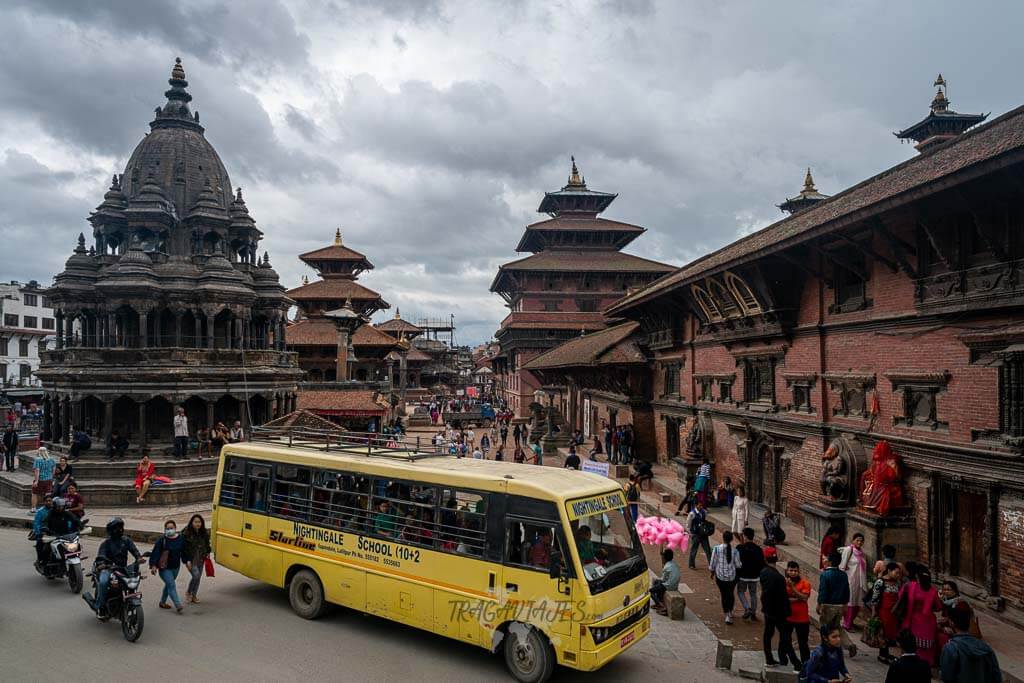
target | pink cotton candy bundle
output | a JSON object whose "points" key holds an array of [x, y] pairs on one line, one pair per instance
{"points": [[662, 531]]}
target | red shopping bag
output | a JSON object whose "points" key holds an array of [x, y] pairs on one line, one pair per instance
{"points": [[208, 565]]}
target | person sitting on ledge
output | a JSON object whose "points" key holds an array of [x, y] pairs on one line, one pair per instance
{"points": [[117, 447]]}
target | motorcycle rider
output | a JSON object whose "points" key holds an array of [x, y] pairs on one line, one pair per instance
{"points": [[115, 551], [39, 527], [60, 521]]}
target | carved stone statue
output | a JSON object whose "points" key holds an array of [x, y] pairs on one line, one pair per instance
{"points": [[842, 462], [538, 422]]}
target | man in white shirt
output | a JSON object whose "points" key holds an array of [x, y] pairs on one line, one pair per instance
{"points": [[180, 435], [236, 434]]}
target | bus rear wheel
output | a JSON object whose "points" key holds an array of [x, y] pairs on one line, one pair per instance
{"points": [[306, 594], [528, 656]]}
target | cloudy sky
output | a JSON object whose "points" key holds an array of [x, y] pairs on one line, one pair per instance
{"points": [[428, 130]]}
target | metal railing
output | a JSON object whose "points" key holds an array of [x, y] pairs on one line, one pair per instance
{"points": [[370, 444]]}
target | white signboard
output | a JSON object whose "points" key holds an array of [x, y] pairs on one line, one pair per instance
{"points": [[595, 467]]}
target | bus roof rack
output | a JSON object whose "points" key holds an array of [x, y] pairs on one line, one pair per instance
{"points": [[370, 444]]}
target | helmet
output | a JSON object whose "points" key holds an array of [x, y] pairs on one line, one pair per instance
{"points": [[58, 503], [115, 527]]}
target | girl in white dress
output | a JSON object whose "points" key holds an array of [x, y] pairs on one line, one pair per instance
{"points": [[740, 510]]}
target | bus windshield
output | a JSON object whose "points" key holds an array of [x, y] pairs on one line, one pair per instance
{"points": [[606, 541]]}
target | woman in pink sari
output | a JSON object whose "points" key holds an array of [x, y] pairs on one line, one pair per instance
{"points": [[922, 600]]}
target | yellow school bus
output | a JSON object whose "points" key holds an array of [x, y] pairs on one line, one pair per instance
{"points": [[539, 564]]}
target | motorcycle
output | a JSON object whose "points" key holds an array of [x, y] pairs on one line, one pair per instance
{"points": [[64, 559], [124, 599]]}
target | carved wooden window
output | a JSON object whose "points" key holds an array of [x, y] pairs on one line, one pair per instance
{"points": [[850, 288], [705, 389], [759, 380], [586, 305], [851, 393], [1011, 395], [916, 395], [743, 294], [802, 386], [670, 386], [707, 304], [725, 301], [725, 390], [672, 428]]}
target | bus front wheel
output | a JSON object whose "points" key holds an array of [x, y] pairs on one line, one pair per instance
{"points": [[306, 594], [528, 656]]}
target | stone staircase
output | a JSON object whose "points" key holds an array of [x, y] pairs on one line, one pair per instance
{"points": [[111, 484]]}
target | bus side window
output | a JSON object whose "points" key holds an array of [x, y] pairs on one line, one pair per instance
{"points": [[290, 498], [462, 527], [257, 481], [531, 544], [232, 486]]}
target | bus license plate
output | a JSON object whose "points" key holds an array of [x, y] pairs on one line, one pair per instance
{"points": [[627, 639]]}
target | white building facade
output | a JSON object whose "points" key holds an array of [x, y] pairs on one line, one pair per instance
{"points": [[27, 326]]}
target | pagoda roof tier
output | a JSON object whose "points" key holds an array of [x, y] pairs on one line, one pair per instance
{"points": [[322, 332], [343, 402], [997, 143], [554, 320], [575, 196], [397, 326], [611, 346], [578, 261], [336, 260], [578, 230], [336, 290], [942, 123]]}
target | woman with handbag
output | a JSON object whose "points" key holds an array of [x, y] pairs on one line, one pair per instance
{"points": [[855, 565], [197, 555], [166, 560]]}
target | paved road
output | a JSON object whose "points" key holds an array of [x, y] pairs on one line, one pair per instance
{"points": [[243, 631]]}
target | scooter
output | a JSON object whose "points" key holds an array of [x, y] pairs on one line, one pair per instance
{"points": [[64, 559], [124, 596]]}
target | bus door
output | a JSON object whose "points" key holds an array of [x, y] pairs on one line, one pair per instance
{"points": [[257, 493], [528, 589]]}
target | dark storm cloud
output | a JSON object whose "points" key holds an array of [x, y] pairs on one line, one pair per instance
{"points": [[429, 130]]}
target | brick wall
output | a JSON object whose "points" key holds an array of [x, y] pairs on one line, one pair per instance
{"points": [[1011, 549]]}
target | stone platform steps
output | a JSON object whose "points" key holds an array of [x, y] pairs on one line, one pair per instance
{"points": [[16, 487], [87, 470]]}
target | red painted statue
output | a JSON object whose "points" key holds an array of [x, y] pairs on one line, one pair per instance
{"points": [[881, 486]]}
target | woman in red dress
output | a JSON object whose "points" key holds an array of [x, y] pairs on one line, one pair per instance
{"points": [[144, 472], [884, 594]]}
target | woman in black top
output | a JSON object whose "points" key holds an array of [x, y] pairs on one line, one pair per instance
{"points": [[197, 550]]}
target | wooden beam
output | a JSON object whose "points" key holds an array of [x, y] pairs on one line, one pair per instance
{"points": [[932, 240], [840, 261], [868, 250], [898, 248], [804, 266]]}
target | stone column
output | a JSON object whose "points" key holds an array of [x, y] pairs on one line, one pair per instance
{"points": [[59, 316], [341, 363], [279, 335], [65, 422], [209, 414], [197, 340], [111, 330], [76, 414], [209, 331], [47, 418], [69, 330], [108, 417], [403, 373], [177, 327], [144, 330], [277, 404], [143, 432]]}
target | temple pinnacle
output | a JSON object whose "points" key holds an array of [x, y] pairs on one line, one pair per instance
{"points": [[337, 237], [178, 72]]}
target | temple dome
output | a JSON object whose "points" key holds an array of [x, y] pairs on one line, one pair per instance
{"points": [[177, 155]]}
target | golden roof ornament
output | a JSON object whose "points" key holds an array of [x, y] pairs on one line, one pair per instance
{"points": [[178, 72], [809, 183], [398, 313], [940, 102], [337, 237], [305, 280], [575, 180]]}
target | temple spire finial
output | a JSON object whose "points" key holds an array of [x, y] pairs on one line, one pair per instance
{"points": [[574, 177], [809, 182], [940, 102], [337, 237], [398, 313], [178, 71], [305, 280]]}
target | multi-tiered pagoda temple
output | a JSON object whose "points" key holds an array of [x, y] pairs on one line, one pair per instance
{"points": [[575, 271], [169, 305]]}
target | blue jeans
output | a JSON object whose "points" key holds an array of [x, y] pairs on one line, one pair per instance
{"points": [[634, 509], [181, 446], [169, 576], [197, 576], [102, 584]]}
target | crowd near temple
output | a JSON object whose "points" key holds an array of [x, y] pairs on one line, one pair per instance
{"points": [[857, 366]]}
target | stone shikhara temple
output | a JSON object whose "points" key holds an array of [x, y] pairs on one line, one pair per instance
{"points": [[169, 305]]}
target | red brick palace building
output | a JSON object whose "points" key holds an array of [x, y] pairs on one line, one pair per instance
{"points": [[576, 269], [890, 310]]}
